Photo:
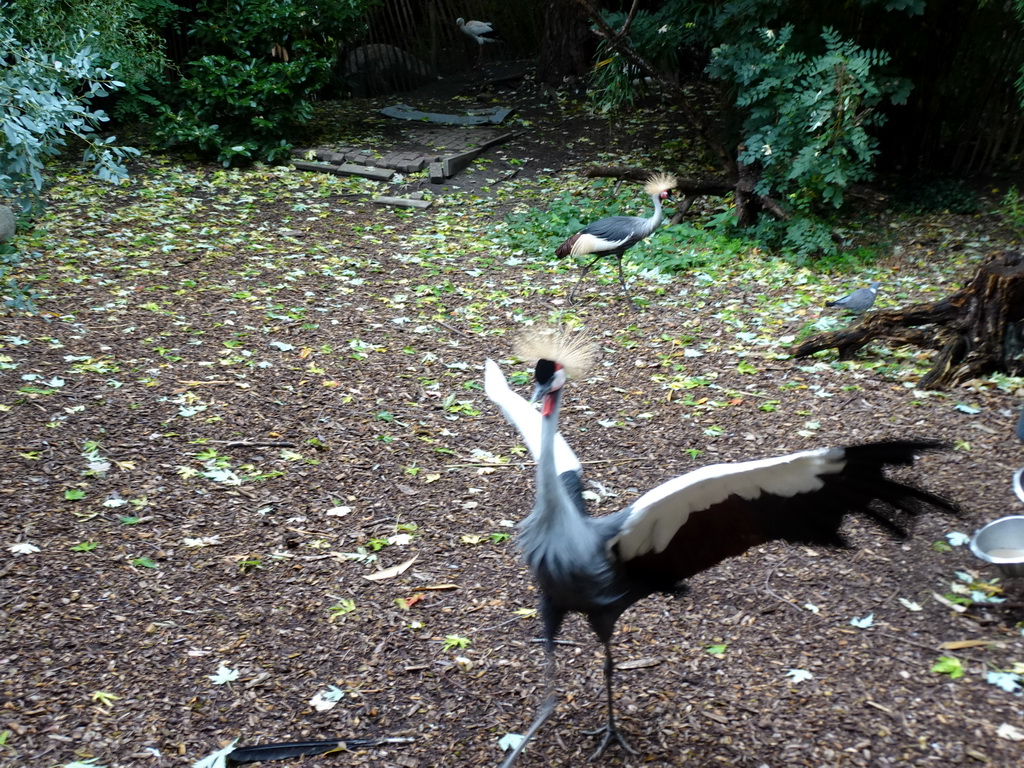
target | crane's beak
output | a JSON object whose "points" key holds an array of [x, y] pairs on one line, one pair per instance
{"points": [[547, 394], [539, 390]]}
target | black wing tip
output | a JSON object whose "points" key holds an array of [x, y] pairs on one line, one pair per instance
{"points": [[289, 749], [870, 459], [282, 751], [895, 451]]}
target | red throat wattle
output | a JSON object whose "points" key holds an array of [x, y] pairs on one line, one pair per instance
{"points": [[547, 406]]}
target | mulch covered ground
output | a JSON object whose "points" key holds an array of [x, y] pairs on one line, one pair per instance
{"points": [[246, 392]]}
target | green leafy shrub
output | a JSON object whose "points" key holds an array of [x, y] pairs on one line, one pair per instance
{"points": [[255, 67], [119, 31], [45, 98], [52, 71], [802, 100], [1012, 209], [806, 123], [616, 83], [806, 118]]}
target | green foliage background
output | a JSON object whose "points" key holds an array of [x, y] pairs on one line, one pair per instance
{"points": [[252, 70], [806, 89]]}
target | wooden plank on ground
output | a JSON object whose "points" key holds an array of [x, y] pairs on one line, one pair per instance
{"points": [[305, 165], [402, 202], [365, 171], [456, 163]]}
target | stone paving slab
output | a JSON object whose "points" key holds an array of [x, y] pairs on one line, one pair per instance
{"points": [[345, 169], [492, 116]]}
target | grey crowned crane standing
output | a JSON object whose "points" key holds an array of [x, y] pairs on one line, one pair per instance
{"points": [[481, 32], [600, 566], [616, 234], [859, 301]]}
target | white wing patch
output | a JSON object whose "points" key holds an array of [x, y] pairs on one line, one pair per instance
{"points": [[659, 514], [592, 244], [524, 417]]}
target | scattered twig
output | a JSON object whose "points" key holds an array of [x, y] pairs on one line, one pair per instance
{"points": [[511, 175], [251, 444], [776, 595], [929, 648], [452, 329], [312, 533]]}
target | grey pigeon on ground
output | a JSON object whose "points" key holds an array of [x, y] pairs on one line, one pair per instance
{"points": [[857, 302]]}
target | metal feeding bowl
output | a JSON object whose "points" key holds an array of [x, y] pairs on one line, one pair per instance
{"points": [[1001, 543], [1018, 477]]}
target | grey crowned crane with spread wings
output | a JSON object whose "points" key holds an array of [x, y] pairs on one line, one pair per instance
{"points": [[600, 566], [616, 234]]}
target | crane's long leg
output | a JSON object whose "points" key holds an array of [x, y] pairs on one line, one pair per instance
{"points": [[622, 279], [611, 733], [583, 274], [547, 706]]}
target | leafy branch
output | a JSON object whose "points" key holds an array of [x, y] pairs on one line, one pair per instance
{"points": [[45, 98]]}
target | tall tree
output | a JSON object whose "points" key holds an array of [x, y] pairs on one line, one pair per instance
{"points": [[567, 44]]}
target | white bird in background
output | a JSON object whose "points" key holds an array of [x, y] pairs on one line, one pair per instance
{"points": [[481, 32], [616, 234], [600, 566]]}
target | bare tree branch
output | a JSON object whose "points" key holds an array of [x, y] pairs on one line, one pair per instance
{"points": [[629, 19], [620, 44], [684, 184]]}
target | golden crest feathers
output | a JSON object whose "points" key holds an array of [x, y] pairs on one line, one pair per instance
{"points": [[573, 351], [660, 182]]}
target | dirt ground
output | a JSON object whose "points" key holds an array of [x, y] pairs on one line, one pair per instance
{"points": [[246, 392]]}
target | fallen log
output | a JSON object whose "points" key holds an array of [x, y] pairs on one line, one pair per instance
{"points": [[692, 188], [684, 184], [976, 331]]}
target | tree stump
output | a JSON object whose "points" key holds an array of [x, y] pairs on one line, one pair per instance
{"points": [[977, 330]]}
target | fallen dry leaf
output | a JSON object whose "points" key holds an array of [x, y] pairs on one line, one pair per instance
{"points": [[949, 603], [1010, 732], [390, 573], [955, 645], [647, 661]]}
